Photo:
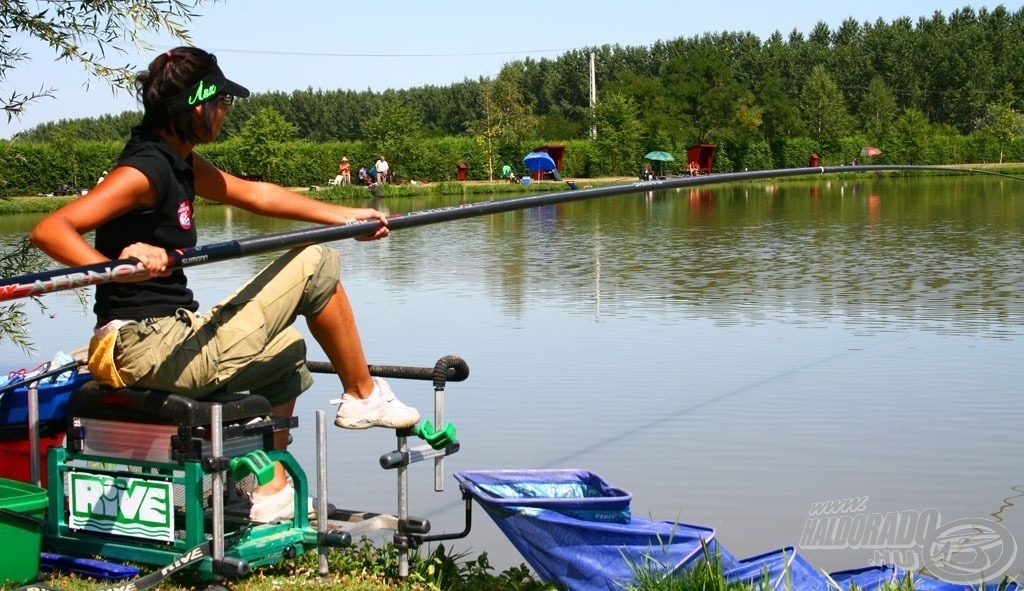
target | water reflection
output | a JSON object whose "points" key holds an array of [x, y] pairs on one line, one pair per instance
{"points": [[880, 256]]}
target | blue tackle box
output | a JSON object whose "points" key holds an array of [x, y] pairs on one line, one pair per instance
{"points": [[53, 400]]}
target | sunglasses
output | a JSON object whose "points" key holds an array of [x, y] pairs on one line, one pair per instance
{"points": [[227, 99]]}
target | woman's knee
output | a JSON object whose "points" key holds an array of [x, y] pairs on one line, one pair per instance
{"points": [[324, 266]]}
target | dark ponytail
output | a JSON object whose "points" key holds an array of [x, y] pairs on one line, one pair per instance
{"points": [[168, 75]]}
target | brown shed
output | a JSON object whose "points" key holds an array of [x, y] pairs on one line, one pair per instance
{"points": [[703, 155], [556, 151]]}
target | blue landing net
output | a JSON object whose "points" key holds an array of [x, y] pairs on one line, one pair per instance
{"points": [[576, 530]]}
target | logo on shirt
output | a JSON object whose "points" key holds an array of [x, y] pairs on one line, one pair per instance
{"points": [[185, 215]]}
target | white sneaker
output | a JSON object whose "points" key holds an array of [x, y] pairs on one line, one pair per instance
{"points": [[380, 409], [277, 506]]}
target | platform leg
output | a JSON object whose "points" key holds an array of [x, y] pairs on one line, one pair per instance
{"points": [[321, 489], [33, 434], [439, 421], [217, 485], [403, 507]]}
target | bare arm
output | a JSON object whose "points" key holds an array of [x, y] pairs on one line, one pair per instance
{"points": [[60, 234], [275, 201]]}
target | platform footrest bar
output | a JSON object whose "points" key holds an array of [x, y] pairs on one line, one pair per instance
{"points": [[396, 459]]}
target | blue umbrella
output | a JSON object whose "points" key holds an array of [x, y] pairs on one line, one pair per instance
{"points": [[539, 161]]}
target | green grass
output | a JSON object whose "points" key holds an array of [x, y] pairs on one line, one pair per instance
{"points": [[358, 192], [18, 205], [362, 567], [367, 567], [703, 575], [32, 204]]}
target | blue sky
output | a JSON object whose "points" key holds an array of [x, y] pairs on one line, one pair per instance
{"points": [[334, 44]]}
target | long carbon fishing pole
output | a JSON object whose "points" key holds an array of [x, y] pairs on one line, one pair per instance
{"points": [[74, 277]]}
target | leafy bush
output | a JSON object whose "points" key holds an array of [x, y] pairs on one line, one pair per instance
{"points": [[27, 168], [796, 153]]}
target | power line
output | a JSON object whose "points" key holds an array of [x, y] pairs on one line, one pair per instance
{"points": [[18, 34], [397, 55]]}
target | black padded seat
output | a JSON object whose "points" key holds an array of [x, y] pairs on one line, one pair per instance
{"points": [[95, 401]]}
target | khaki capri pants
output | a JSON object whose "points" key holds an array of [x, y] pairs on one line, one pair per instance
{"points": [[244, 343]]}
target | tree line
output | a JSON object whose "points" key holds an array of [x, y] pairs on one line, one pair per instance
{"points": [[943, 87]]}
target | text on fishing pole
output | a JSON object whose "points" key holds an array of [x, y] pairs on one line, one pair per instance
{"points": [[69, 281]]}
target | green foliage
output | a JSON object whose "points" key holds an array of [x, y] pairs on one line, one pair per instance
{"points": [[21, 258], [620, 136], [584, 158], [755, 156], [796, 153], [62, 143], [442, 569], [781, 112], [824, 108], [702, 92], [724, 158], [396, 133], [365, 566], [102, 128], [28, 168], [360, 567], [857, 81], [17, 259], [910, 139], [878, 109], [704, 574], [506, 122], [87, 33], [1004, 124], [262, 139], [848, 149], [305, 164]]}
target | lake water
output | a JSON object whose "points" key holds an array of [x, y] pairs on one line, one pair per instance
{"points": [[731, 356]]}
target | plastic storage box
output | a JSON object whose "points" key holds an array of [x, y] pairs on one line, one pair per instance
{"points": [[53, 400], [15, 461], [22, 508]]}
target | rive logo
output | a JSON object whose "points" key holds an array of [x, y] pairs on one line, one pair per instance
{"points": [[130, 507]]}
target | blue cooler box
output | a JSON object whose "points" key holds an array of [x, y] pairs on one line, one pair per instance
{"points": [[53, 400]]}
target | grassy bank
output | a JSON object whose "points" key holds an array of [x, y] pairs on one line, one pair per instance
{"points": [[362, 567], [46, 204], [366, 567]]}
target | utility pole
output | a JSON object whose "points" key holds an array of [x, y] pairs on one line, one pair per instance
{"points": [[593, 96]]}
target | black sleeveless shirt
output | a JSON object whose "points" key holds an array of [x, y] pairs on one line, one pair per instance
{"points": [[169, 224]]}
